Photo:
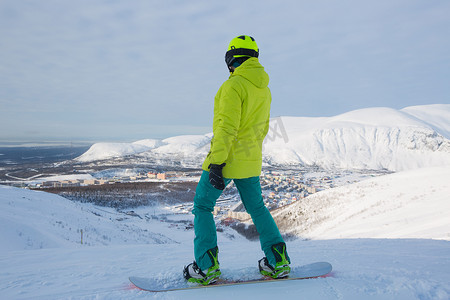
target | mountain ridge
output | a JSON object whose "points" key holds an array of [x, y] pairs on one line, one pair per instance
{"points": [[369, 138]]}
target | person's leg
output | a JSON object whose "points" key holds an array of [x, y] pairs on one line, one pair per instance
{"points": [[204, 225], [269, 235]]}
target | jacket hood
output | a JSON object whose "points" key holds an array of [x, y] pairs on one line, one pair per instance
{"points": [[253, 71]]}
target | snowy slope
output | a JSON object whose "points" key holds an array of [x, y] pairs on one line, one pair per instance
{"points": [[38, 220], [411, 204], [372, 138], [41, 256]]}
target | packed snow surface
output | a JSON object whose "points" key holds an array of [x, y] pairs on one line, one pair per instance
{"points": [[372, 138], [41, 255]]}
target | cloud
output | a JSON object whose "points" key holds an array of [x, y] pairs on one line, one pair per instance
{"points": [[161, 62]]}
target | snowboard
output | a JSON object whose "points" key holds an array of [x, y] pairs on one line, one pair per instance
{"points": [[308, 271]]}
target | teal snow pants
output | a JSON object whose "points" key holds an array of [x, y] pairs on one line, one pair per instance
{"points": [[205, 227]]}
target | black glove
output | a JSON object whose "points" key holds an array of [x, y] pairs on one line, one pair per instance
{"points": [[216, 176]]}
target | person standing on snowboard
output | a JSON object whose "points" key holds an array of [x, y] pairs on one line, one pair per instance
{"points": [[240, 124]]}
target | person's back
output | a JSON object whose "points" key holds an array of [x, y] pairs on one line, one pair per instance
{"points": [[241, 120]]}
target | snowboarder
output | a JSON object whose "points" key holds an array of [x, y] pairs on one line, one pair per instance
{"points": [[240, 124]]}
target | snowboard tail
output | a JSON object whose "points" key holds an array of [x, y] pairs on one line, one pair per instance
{"points": [[313, 270]]}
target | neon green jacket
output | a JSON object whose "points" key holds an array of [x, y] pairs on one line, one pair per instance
{"points": [[241, 121]]}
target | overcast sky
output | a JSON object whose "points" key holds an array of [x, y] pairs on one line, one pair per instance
{"points": [[104, 70]]}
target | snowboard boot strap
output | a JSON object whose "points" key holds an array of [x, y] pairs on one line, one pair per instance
{"points": [[282, 268], [212, 273]]}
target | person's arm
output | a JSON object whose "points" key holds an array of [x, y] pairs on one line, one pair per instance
{"points": [[227, 118]]}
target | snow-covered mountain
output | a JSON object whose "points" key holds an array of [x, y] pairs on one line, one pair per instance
{"points": [[41, 256], [372, 138], [178, 146], [437, 116], [101, 151]]}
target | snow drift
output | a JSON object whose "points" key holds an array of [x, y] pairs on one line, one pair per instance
{"points": [[372, 138]]}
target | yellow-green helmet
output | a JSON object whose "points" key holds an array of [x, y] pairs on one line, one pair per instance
{"points": [[241, 46]]}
